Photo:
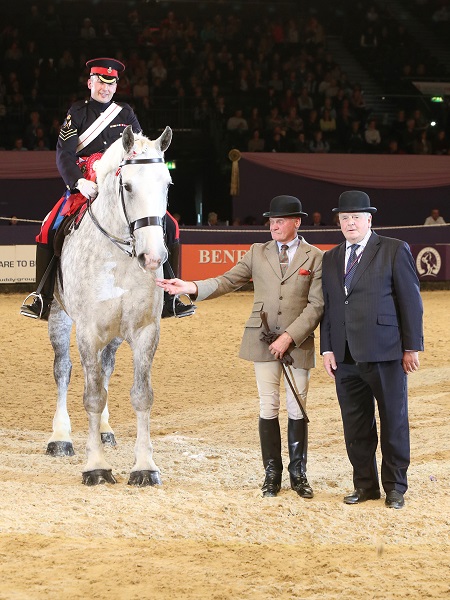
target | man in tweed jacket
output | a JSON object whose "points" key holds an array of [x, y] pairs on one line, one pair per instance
{"points": [[293, 302]]}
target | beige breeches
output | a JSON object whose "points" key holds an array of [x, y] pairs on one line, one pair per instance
{"points": [[268, 377]]}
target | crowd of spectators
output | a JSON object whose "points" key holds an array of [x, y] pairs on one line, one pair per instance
{"points": [[256, 82]]}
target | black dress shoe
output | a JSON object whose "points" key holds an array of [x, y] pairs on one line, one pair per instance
{"points": [[361, 495], [300, 484], [394, 499]]}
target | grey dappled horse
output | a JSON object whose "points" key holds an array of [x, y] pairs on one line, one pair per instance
{"points": [[106, 287]]}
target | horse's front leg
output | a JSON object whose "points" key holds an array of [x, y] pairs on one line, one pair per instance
{"points": [[97, 469], [59, 329], [108, 363], [144, 471]]}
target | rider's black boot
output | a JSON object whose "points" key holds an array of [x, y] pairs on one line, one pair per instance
{"points": [[270, 438], [298, 453], [42, 299], [173, 307]]}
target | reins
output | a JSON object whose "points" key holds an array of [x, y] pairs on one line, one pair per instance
{"points": [[125, 244]]}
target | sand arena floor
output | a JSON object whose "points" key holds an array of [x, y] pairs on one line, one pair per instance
{"points": [[207, 532]]}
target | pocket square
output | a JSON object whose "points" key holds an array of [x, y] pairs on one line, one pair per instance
{"points": [[304, 272]]}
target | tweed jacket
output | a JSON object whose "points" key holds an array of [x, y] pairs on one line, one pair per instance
{"points": [[293, 302], [381, 316]]}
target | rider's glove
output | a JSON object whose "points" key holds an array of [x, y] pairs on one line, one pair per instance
{"points": [[89, 189]]}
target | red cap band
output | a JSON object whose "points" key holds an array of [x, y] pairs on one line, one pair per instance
{"points": [[104, 71]]}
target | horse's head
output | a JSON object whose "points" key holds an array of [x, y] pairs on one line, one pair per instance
{"points": [[141, 184]]}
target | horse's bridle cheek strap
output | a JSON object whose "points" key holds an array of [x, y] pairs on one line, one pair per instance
{"points": [[145, 222]]}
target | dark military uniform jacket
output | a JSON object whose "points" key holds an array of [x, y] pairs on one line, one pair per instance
{"points": [[80, 117]]}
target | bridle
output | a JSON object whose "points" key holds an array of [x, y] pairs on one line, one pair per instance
{"points": [[127, 245]]}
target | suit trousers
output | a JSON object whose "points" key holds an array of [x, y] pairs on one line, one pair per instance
{"points": [[357, 386], [268, 379]]}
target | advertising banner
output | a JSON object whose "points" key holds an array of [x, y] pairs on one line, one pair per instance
{"points": [[432, 261], [200, 261], [17, 264]]}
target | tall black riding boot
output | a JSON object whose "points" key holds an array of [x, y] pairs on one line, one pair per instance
{"points": [[173, 307], [42, 299], [298, 452], [270, 437]]}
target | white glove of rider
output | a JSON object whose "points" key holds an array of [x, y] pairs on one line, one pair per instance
{"points": [[89, 189]]}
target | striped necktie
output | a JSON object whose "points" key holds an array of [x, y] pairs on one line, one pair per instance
{"points": [[284, 258], [351, 266]]}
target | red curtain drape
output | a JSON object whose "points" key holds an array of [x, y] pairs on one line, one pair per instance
{"points": [[364, 170], [28, 165]]}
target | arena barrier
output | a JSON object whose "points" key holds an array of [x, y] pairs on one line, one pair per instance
{"points": [[210, 251]]}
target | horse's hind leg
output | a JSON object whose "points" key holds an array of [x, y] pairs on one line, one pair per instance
{"points": [[59, 329], [108, 363], [144, 471]]}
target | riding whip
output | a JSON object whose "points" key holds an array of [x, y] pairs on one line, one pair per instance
{"points": [[286, 361]]}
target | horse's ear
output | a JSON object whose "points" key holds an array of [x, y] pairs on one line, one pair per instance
{"points": [[164, 139], [128, 139]]}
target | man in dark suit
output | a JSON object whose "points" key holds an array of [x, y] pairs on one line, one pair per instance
{"points": [[371, 333]]}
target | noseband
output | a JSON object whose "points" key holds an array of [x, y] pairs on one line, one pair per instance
{"points": [[124, 245]]}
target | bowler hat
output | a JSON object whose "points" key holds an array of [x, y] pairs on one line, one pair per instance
{"points": [[285, 206], [354, 201], [107, 69]]}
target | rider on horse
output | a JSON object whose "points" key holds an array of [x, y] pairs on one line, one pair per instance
{"points": [[90, 127]]}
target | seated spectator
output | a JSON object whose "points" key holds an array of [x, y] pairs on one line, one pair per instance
{"points": [[434, 218], [274, 119], [18, 145], [255, 121], [441, 143], [256, 143], [312, 123], [213, 219], [409, 136], [327, 123], [399, 124], [305, 102], [277, 143], [358, 103], [422, 144], [317, 220], [292, 123], [372, 136], [318, 145], [328, 105], [300, 144], [355, 142], [393, 147], [237, 122]]}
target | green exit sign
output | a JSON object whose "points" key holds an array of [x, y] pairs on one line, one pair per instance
{"points": [[437, 99], [171, 165]]}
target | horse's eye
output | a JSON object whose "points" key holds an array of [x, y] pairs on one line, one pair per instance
{"points": [[127, 187]]}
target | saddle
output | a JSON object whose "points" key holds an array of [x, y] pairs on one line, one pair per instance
{"points": [[70, 223]]}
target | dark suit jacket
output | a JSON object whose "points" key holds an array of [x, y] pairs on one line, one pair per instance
{"points": [[382, 314]]}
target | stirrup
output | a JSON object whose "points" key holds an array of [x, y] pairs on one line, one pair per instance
{"points": [[26, 310], [189, 308]]}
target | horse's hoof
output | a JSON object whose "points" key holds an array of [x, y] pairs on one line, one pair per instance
{"points": [[98, 476], [60, 449], [144, 478], [109, 438]]}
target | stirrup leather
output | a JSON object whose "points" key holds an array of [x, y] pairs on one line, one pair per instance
{"points": [[25, 306]]}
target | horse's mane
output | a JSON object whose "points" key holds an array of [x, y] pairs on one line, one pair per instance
{"points": [[111, 159]]}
